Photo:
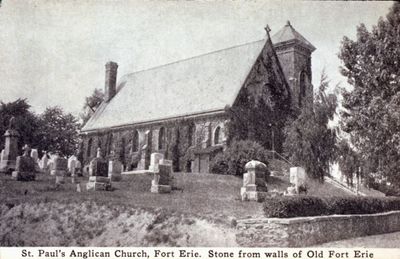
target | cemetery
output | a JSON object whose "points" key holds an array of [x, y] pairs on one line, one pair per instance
{"points": [[235, 145], [254, 211]]}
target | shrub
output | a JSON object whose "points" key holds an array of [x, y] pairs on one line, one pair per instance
{"points": [[388, 190], [293, 206], [235, 157], [299, 206]]}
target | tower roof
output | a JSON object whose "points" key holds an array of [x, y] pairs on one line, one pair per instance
{"points": [[288, 34]]}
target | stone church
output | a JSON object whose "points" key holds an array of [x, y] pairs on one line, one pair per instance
{"points": [[182, 109]]}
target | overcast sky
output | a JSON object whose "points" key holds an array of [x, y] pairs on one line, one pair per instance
{"points": [[54, 52]]}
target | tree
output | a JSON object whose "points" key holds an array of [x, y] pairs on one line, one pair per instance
{"points": [[233, 160], [309, 142], [254, 117], [372, 108], [26, 122], [91, 104], [58, 131], [348, 161]]}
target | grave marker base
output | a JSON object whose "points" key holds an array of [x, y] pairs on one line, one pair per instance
{"points": [[160, 188], [96, 186], [98, 183], [7, 166], [253, 193], [58, 172], [23, 176], [60, 179], [115, 178]]}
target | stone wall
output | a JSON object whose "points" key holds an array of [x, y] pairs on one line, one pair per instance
{"points": [[308, 231], [125, 142]]}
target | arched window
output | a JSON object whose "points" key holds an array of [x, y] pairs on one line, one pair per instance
{"points": [[89, 148], [135, 141], [302, 92], [161, 138], [191, 134], [217, 135]]}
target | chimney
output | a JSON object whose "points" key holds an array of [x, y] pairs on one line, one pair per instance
{"points": [[111, 80]]}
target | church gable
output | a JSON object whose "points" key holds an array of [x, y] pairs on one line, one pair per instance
{"points": [[266, 79], [263, 103]]}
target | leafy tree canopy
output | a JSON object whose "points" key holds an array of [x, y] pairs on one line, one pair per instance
{"points": [[53, 130], [26, 122], [371, 63], [58, 131], [309, 142], [92, 102]]}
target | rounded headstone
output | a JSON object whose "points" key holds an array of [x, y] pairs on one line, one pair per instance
{"points": [[255, 165]]}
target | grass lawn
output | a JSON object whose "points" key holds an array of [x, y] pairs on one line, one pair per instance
{"points": [[198, 213], [205, 195], [215, 196]]}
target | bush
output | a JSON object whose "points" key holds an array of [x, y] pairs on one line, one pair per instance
{"points": [[235, 157], [388, 190], [300, 206], [293, 206]]}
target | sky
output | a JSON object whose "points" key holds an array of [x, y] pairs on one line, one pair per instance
{"points": [[54, 52]]}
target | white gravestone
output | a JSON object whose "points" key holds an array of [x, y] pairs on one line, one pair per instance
{"points": [[155, 161], [1, 155], [35, 157], [43, 164], [298, 177], [51, 163], [72, 165]]}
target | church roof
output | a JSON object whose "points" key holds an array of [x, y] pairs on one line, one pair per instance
{"points": [[201, 84], [289, 34]]}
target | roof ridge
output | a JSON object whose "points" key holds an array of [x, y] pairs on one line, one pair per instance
{"points": [[189, 58]]}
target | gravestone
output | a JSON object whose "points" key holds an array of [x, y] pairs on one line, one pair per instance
{"points": [[165, 161], [35, 157], [144, 152], [1, 155], [43, 164], [25, 167], [298, 178], [155, 159], [78, 168], [172, 179], [254, 184], [8, 162], [50, 163], [114, 168], [98, 174], [34, 154], [291, 191], [162, 179], [60, 168], [72, 165]]}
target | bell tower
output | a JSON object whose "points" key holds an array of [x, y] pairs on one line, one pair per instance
{"points": [[294, 54]]}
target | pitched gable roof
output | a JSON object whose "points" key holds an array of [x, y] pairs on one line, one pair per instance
{"points": [[205, 83]]}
